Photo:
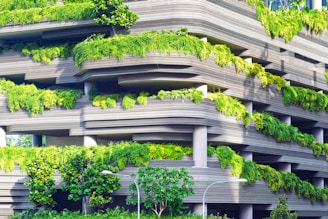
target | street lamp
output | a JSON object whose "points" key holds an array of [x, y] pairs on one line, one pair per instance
{"points": [[217, 182], [108, 172]]}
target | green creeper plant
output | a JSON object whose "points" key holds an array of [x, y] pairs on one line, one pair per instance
{"points": [[306, 98], [128, 101], [163, 188], [277, 180], [34, 100], [289, 20]]}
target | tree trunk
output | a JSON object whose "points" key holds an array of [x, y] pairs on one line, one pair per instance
{"points": [[85, 205]]}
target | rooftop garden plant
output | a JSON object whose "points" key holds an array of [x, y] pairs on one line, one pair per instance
{"points": [[83, 162], [290, 19], [34, 100]]}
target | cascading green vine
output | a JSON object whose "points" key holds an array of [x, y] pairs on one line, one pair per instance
{"points": [[76, 11], [168, 42], [288, 23], [129, 100], [34, 100], [306, 98], [277, 180], [75, 162], [282, 132]]}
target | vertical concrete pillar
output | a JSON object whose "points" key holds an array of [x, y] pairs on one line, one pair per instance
{"points": [[203, 88], [286, 119], [246, 211], [317, 4], [200, 146], [204, 39], [198, 209], [36, 140], [200, 156], [247, 155], [87, 87], [318, 134], [287, 167], [318, 181], [2, 137], [249, 60], [89, 141], [249, 106]]}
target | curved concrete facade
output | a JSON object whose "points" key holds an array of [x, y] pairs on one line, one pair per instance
{"points": [[302, 62]]}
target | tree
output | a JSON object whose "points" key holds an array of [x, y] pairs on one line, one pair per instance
{"points": [[163, 188], [114, 13], [21, 141], [83, 178], [281, 210]]}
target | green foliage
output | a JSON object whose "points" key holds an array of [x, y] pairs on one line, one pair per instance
{"points": [[67, 98], [289, 22], [167, 42], [141, 44], [272, 126], [105, 101], [282, 132], [306, 98], [24, 4], [276, 180], [281, 210], [167, 151], [142, 99], [21, 141], [46, 54], [82, 177], [41, 182], [163, 188], [130, 153], [76, 11], [222, 55], [113, 12], [110, 213], [128, 101], [34, 100], [230, 106]]}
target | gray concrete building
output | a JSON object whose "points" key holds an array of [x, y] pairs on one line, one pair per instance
{"points": [[302, 62]]}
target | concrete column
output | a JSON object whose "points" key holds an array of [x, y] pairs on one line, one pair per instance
{"points": [[249, 60], [318, 134], [249, 106], [247, 155], [203, 88], [200, 156], [318, 181], [87, 87], [287, 167], [204, 39], [286, 119], [200, 146], [246, 211], [89, 141], [36, 140], [2, 137], [198, 209], [317, 4]]}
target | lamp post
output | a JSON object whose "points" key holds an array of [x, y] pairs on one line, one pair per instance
{"points": [[217, 182], [108, 172]]}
